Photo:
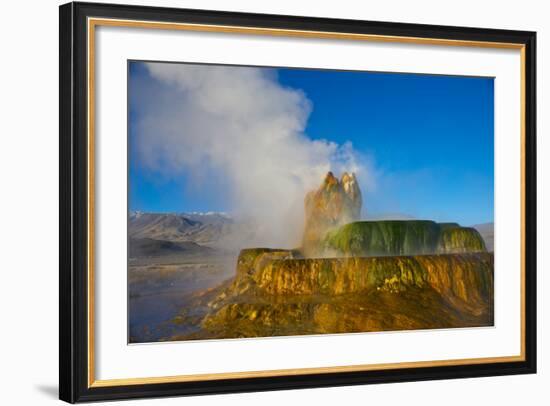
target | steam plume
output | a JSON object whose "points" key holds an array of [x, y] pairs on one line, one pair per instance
{"points": [[240, 129]]}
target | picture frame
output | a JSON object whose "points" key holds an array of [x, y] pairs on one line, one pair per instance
{"points": [[78, 381]]}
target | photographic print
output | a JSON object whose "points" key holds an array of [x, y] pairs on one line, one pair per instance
{"points": [[265, 196], [285, 201]]}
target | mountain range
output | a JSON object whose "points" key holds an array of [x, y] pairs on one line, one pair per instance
{"points": [[200, 228]]}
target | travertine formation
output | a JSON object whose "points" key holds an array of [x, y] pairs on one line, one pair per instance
{"points": [[466, 277], [352, 276], [335, 203], [275, 293]]}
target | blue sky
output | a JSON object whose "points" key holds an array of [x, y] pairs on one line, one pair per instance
{"points": [[429, 140]]}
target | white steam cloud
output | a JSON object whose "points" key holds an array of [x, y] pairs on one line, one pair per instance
{"points": [[239, 129]]}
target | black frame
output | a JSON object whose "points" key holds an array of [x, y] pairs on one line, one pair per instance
{"points": [[73, 289]]}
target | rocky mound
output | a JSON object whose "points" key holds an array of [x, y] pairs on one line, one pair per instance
{"points": [[353, 276]]}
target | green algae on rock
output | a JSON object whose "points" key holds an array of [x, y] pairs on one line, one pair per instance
{"points": [[460, 239], [401, 237]]}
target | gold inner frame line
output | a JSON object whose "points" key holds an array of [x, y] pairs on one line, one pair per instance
{"points": [[94, 22]]}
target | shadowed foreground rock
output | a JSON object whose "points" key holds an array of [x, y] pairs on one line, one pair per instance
{"points": [[276, 293]]}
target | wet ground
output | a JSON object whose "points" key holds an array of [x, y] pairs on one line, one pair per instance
{"points": [[160, 290]]}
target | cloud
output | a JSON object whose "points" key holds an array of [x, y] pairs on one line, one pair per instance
{"points": [[240, 126]]}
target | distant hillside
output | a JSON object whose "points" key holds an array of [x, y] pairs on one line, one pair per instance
{"points": [[201, 228], [210, 217], [148, 247], [487, 231]]}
